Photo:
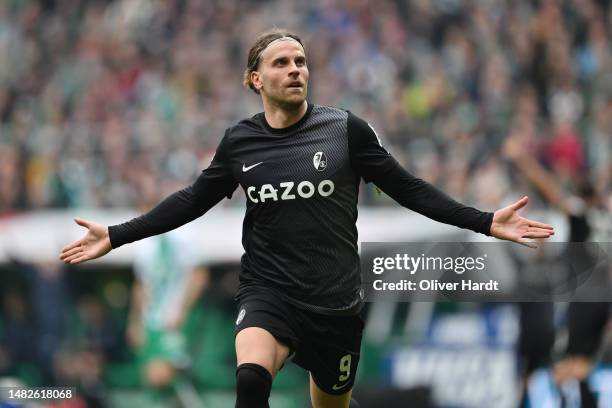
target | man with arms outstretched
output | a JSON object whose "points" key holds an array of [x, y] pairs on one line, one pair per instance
{"points": [[300, 166]]}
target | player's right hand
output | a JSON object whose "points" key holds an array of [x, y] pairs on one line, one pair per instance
{"points": [[94, 244], [513, 150]]}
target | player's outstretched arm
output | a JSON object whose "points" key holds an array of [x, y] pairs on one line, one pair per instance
{"points": [[374, 163], [509, 225], [94, 244]]}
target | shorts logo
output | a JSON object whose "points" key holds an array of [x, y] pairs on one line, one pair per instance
{"points": [[320, 161], [337, 387], [240, 316]]}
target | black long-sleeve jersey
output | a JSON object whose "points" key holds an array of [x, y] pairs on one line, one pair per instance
{"points": [[301, 183]]}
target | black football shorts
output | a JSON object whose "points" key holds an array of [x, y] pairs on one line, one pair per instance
{"points": [[327, 346]]}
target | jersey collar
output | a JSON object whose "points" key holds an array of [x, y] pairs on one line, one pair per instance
{"points": [[288, 128]]}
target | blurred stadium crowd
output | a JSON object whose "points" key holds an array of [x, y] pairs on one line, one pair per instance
{"points": [[113, 103], [103, 101]]}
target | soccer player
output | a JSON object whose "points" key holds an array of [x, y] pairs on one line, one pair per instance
{"points": [[589, 221], [168, 283], [300, 166]]}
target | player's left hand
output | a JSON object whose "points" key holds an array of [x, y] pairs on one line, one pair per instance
{"points": [[572, 368], [509, 225]]}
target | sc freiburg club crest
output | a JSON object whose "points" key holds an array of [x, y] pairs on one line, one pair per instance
{"points": [[320, 161]]}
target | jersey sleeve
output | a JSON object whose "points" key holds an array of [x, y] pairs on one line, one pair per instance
{"points": [[374, 164], [183, 206]]}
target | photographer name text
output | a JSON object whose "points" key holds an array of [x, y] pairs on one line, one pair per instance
{"points": [[436, 285]]}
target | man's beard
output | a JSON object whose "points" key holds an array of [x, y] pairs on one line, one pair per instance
{"points": [[289, 105]]}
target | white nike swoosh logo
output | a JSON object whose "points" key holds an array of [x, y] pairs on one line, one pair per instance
{"points": [[245, 168], [337, 387]]}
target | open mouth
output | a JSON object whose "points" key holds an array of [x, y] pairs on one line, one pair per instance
{"points": [[295, 84]]}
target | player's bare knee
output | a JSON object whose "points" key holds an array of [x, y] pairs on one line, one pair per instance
{"points": [[159, 374], [257, 346], [336, 401]]}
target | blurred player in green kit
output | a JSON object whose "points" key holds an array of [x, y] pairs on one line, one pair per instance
{"points": [[168, 281]]}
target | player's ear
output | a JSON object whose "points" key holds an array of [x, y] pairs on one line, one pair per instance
{"points": [[256, 80]]}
